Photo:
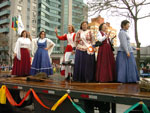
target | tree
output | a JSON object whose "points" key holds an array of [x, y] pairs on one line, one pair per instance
{"points": [[132, 9]]}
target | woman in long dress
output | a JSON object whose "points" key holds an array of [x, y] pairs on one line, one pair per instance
{"points": [[70, 37], [21, 65], [41, 62], [84, 69], [126, 65], [105, 70]]}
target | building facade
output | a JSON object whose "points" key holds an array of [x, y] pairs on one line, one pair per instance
{"points": [[4, 29], [8, 9], [74, 12]]}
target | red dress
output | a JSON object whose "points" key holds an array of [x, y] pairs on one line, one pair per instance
{"points": [[22, 67], [69, 46], [105, 71], [70, 43]]}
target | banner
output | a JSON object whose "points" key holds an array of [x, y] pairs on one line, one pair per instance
{"points": [[20, 25]]}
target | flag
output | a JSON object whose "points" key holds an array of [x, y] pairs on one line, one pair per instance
{"points": [[20, 25], [14, 23]]}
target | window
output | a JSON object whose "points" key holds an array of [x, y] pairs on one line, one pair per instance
{"points": [[19, 7], [42, 14], [55, 19], [47, 31], [54, 11], [39, 6], [55, 4], [43, 6], [34, 14], [28, 26], [34, 6], [20, 1], [47, 9], [47, 16], [47, 1], [33, 21], [43, 22], [58, 0], [28, 9], [52, 26], [28, 18], [47, 24], [33, 30]]}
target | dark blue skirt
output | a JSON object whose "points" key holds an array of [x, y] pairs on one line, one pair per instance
{"points": [[84, 69], [41, 62], [126, 68]]}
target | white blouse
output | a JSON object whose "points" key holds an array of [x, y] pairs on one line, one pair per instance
{"points": [[100, 37], [70, 39], [22, 43], [49, 43], [41, 40]]}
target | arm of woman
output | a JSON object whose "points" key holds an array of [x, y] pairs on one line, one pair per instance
{"points": [[63, 37], [76, 40], [123, 42], [50, 46], [17, 49], [100, 37], [134, 48]]}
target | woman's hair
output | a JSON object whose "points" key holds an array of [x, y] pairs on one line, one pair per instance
{"points": [[83, 23], [23, 32], [101, 26], [73, 29], [41, 33], [124, 23]]}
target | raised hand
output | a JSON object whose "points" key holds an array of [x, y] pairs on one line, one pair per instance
{"points": [[56, 30], [107, 36]]}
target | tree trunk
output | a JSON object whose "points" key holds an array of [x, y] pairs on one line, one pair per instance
{"points": [[138, 44]]}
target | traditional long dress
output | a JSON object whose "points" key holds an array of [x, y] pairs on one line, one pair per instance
{"points": [[84, 69], [21, 65], [126, 66], [66, 70], [41, 61], [105, 70]]}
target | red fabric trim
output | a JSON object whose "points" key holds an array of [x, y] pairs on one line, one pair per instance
{"points": [[64, 37]]}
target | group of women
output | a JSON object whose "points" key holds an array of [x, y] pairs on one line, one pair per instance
{"points": [[40, 48], [87, 67]]}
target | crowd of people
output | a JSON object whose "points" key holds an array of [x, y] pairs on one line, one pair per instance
{"points": [[5, 67]]}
